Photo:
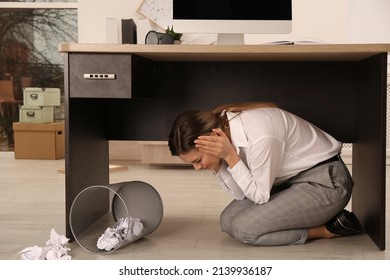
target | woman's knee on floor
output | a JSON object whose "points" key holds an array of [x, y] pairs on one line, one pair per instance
{"points": [[244, 233], [234, 227], [230, 212], [225, 221]]}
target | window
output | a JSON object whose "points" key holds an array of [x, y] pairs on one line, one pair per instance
{"points": [[30, 32]]}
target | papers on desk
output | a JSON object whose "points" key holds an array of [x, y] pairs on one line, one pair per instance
{"points": [[303, 41]]}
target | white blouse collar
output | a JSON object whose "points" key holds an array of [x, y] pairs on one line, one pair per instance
{"points": [[237, 132]]}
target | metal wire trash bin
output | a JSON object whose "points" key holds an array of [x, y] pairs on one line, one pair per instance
{"points": [[134, 199]]}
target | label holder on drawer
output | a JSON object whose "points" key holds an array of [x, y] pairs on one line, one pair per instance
{"points": [[99, 76]]}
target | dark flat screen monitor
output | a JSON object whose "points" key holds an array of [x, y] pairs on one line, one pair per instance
{"points": [[230, 19]]}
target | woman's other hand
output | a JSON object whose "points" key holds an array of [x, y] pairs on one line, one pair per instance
{"points": [[218, 144]]}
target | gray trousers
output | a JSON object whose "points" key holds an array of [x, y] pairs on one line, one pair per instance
{"points": [[308, 199]]}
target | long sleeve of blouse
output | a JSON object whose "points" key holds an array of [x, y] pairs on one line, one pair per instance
{"points": [[254, 183], [273, 145]]}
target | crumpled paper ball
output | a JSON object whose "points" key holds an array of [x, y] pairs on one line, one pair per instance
{"points": [[124, 229], [55, 249]]}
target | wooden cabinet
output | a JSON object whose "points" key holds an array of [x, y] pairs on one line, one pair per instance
{"points": [[144, 152]]}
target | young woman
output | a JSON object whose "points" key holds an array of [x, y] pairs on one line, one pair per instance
{"points": [[287, 179]]}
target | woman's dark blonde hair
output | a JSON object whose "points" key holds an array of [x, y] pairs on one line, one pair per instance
{"points": [[189, 125]]}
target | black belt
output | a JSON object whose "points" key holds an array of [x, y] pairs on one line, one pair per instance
{"points": [[287, 184]]}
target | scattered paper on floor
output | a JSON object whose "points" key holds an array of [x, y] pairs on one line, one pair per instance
{"points": [[55, 249]]}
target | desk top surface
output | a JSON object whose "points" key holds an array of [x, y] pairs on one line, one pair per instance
{"points": [[304, 52]]}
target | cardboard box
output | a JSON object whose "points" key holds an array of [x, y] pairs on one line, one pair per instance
{"points": [[39, 141]]}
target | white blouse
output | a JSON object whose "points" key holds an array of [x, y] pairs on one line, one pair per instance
{"points": [[274, 145]]}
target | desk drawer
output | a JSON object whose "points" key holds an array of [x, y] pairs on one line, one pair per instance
{"points": [[100, 75]]}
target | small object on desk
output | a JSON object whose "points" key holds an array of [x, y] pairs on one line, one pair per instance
{"points": [[280, 43], [129, 31], [158, 38]]}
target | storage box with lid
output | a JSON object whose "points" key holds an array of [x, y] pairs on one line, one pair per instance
{"points": [[36, 114], [35, 96], [38, 104], [39, 140]]}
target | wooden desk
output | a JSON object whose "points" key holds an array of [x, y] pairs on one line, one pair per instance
{"points": [[340, 88]]}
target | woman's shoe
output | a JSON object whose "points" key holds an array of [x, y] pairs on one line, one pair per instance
{"points": [[345, 223]]}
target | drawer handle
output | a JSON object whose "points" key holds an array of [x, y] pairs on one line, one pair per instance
{"points": [[34, 96], [99, 76], [30, 114]]}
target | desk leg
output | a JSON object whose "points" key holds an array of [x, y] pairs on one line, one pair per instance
{"points": [[369, 151], [86, 159]]}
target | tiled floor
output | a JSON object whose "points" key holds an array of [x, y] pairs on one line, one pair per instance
{"points": [[32, 203]]}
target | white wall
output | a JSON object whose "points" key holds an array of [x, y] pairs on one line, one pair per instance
{"points": [[319, 19], [368, 21], [92, 16], [332, 21]]}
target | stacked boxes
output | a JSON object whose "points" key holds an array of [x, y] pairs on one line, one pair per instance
{"points": [[37, 136], [38, 104]]}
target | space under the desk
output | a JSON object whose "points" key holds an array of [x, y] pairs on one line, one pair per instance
{"points": [[133, 92]]}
